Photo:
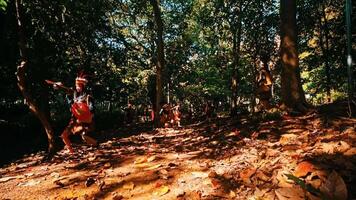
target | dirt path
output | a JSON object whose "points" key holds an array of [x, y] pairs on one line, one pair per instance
{"points": [[307, 157]]}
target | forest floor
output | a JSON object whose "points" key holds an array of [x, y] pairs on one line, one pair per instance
{"points": [[292, 157]]}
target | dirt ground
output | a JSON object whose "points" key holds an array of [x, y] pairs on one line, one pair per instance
{"points": [[311, 156]]}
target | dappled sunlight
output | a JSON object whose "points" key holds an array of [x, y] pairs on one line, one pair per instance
{"points": [[252, 157]]}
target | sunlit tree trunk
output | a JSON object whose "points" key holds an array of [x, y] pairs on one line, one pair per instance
{"points": [[292, 92], [160, 57], [21, 76]]}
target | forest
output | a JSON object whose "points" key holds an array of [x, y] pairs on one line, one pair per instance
{"points": [[190, 99]]}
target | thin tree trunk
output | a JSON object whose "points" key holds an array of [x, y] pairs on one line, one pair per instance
{"points": [[236, 60], [292, 92], [21, 76], [160, 57], [326, 53]]}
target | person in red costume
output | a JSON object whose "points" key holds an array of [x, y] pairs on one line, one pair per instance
{"points": [[82, 109]]}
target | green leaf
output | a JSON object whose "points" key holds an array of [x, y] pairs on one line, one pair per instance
{"points": [[3, 4], [306, 186]]}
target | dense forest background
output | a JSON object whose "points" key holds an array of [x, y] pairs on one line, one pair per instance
{"points": [[190, 52]]}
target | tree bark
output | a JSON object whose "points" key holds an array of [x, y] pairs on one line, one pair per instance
{"points": [[235, 63], [292, 92], [160, 57], [21, 76], [324, 33]]}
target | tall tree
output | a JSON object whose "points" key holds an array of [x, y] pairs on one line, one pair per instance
{"points": [[21, 77], [291, 88], [160, 56]]}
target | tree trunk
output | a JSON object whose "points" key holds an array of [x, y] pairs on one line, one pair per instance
{"points": [[160, 58], [292, 92], [325, 50], [21, 76], [235, 64]]}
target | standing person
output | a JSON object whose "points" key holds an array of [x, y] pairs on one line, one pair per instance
{"points": [[82, 109], [129, 114], [177, 115], [165, 115]]}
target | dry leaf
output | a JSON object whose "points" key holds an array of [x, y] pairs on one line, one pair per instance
{"points": [[151, 158], [350, 152], [92, 158], [216, 183], [262, 176], [232, 194], [287, 139], [4, 179], [153, 167], [163, 172], [30, 183], [295, 193], [342, 147], [161, 191], [334, 187], [107, 165], [303, 169], [140, 160], [142, 165], [328, 147], [246, 174], [128, 186]]}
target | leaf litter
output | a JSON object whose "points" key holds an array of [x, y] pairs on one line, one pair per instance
{"points": [[291, 158]]}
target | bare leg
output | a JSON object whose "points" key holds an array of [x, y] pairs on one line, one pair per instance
{"points": [[65, 138], [89, 140]]}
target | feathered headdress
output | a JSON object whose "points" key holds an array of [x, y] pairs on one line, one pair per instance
{"points": [[81, 78]]}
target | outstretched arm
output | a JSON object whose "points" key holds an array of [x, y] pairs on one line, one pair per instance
{"points": [[59, 85]]}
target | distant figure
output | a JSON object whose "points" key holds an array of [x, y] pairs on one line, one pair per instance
{"points": [[190, 112], [129, 113], [82, 109], [264, 89], [166, 115], [151, 110], [176, 115], [208, 110]]}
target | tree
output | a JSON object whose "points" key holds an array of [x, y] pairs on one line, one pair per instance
{"points": [[292, 92], [21, 76], [160, 56]]}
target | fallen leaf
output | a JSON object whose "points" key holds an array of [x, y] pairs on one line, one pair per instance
{"points": [[232, 194], [142, 165], [116, 196], [30, 183], [262, 176], [151, 158], [294, 193], [342, 147], [107, 165], [246, 174], [92, 158], [153, 167], [334, 187], [59, 183], [5, 179], [215, 182], [303, 168], [128, 186], [163, 171], [140, 160], [350, 152], [287, 139], [161, 191]]}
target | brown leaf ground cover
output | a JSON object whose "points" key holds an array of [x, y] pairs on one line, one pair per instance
{"points": [[310, 156]]}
